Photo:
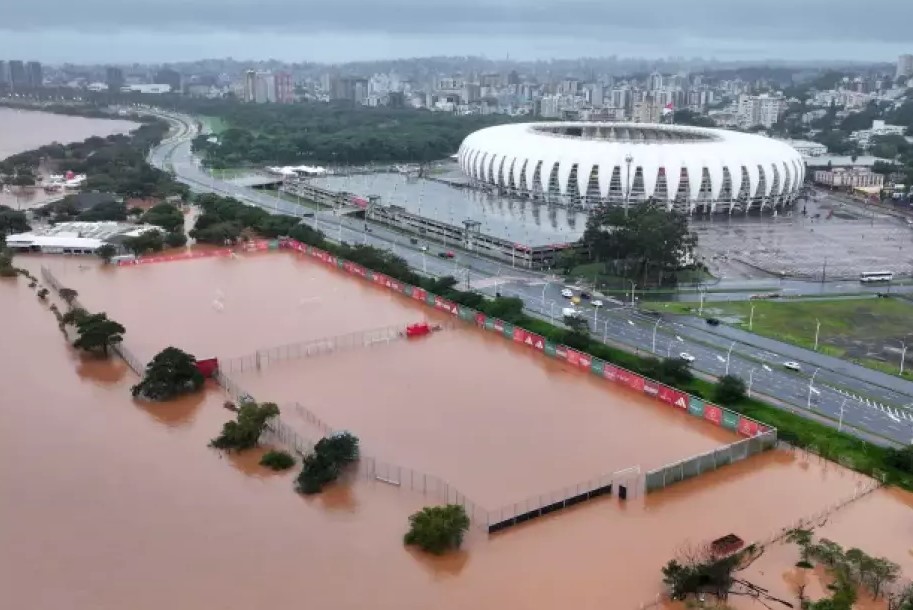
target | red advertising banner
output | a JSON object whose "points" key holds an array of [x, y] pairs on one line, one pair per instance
{"points": [[674, 397], [480, 319], [713, 413], [387, 282], [536, 342], [499, 326], [576, 358], [651, 388], [183, 256], [520, 335], [445, 305], [748, 427], [632, 380], [561, 352], [354, 268], [419, 294], [256, 245]]}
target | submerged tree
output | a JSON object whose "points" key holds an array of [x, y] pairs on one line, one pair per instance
{"points": [[96, 333], [437, 529], [169, 374], [323, 466], [106, 252], [244, 432]]}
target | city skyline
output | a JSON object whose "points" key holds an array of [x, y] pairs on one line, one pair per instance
{"points": [[352, 30]]}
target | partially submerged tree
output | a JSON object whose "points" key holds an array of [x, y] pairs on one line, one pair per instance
{"points": [[106, 252], [277, 460], [437, 529], [68, 295], [169, 374], [323, 466], [96, 333], [244, 431]]}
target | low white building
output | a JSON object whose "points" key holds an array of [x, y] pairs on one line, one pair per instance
{"points": [[855, 178], [879, 128], [75, 237], [53, 244], [807, 148]]}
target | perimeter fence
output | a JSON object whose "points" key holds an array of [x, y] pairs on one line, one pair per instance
{"points": [[118, 348], [314, 347], [705, 462]]}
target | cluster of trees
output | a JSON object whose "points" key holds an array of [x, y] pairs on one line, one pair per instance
{"points": [[646, 243], [7, 269], [95, 332], [171, 373], [244, 432], [437, 529], [852, 569], [336, 133], [66, 210], [277, 460], [226, 220], [12, 221], [324, 465]]}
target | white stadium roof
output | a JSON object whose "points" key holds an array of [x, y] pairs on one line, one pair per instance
{"points": [[590, 163]]}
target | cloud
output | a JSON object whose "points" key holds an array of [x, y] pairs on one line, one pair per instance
{"points": [[610, 20]]}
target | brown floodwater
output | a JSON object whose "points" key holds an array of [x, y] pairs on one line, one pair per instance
{"points": [[22, 130], [497, 420], [227, 306], [111, 504]]}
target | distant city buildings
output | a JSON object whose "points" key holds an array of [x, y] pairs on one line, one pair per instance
{"points": [[764, 109], [904, 66], [878, 128], [807, 148], [268, 88], [114, 78]]}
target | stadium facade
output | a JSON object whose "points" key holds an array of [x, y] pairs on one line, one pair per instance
{"points": [[690, 169]]}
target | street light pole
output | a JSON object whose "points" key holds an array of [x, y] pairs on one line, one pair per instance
{"points": [[633, 288], [817, 330], [903, 356], [728, 354], [751, 319], [655, 326], [750, 380], [840, 422], [811, 382], [700, 311]]}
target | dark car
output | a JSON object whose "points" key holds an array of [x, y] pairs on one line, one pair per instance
{"points": [[586, 296], [713, 322], [447, 254]]}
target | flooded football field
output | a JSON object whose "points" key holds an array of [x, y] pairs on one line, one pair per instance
{"points": [[118, 504]]}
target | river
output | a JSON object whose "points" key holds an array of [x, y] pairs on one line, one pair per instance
{"points": [[22, 130]]}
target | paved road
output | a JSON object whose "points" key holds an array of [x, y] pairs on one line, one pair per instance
{"points": [[837, 390]]}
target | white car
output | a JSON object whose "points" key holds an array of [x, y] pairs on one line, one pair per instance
{"points": [[686, 357], [567, 293], [596, 303], [792, 366]]}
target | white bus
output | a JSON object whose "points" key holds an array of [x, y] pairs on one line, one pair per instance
{"points": [[876, 276]]}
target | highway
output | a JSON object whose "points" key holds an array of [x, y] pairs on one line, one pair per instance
{"points": [[868, 403]]}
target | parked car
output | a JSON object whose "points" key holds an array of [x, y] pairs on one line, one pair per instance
{"points": [[792, 366], [596, 303], [713, 322], [567, 293], [447, 254], [686, 357], [585, 296]]}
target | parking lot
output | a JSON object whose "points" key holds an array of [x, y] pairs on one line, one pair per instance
{"points": [[831, 240]]}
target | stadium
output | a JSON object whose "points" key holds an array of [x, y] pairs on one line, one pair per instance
{"points": [[689, 169]]}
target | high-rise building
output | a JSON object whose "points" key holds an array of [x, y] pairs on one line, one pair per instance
{"points": [[265, 89], [4, 73], [904, 66], [250, 85], [167, 76], [655, 82], [17, 74], [34, 76], [285, 93], [761, 109], [114, 77]]}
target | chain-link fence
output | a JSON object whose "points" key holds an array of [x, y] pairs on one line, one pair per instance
{"points": [[314, 347], [699, 464]]}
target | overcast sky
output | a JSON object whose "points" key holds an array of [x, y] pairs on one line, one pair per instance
{"points": [[344, 30]]}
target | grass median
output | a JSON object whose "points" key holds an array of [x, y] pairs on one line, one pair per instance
{"points": [[866, 331]]}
